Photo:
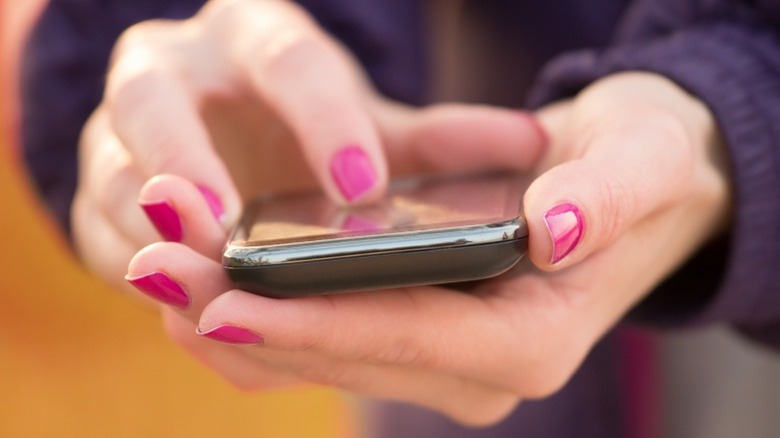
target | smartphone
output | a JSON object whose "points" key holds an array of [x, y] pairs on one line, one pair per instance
{"points": [[424, 231]]}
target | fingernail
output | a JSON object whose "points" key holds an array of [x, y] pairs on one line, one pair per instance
{"points": [[231, 335], [165, 219], [353, 172], [213, 201], [160, 287], [565, 226]]}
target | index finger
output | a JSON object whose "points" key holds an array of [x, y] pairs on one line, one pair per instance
{"points": [[316, 88], [157, 121]]}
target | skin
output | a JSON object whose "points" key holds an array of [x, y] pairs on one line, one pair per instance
{"points": [[639, 157]]}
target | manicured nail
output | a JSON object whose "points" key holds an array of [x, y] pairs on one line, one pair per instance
{"points": [[215, 205], [160, 287], [165, 219], [565, 226], [353, 172], [231, 335]]}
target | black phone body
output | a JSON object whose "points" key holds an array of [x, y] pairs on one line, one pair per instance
{"points": [[425, 231]]}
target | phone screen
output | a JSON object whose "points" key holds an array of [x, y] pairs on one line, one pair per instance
{"points": [[409, 205]]}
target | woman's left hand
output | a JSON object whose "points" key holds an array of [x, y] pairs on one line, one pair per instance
{"points": [[633, 182]]}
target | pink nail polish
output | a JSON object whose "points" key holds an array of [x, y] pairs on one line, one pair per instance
{"points": [[160, 287], [213, 201], [565, 225], [165, 219], [353, 172], [231, 335]]}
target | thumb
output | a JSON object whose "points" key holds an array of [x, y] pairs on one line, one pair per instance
{"points": [[625, 173], [457, 138]]}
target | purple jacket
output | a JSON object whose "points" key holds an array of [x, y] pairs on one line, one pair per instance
{"points": [[726, 52]]}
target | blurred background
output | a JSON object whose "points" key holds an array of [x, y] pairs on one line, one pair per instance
{"points": [[80, 360]]}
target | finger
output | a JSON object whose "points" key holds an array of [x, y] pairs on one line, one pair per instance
{"points": [[183, 212], [94, 237], [234, 365], [467, 402], [109, 179], [315, 87], [176, 275], [157, 120], [459, 138], [427, 328], [627, 170], [165, 269]]}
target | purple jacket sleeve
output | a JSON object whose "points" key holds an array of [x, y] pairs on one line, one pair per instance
{"points": [[728, 55]]}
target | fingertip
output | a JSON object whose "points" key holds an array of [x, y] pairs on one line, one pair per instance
{"points": [[565, 227], [353, 172], [164, 217], [143, 261], [233, 307], [185, 212], [556, 221], [231, 334], [358, 176]]}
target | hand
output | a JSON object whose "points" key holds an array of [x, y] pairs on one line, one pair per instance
{"points": [[633, 182], [201, 114]]}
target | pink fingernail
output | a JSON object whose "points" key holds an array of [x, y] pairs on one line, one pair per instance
{"points": [[160, 287], [165, 219], [230, 334], [213, 201], [353, 172], [565, 225]]}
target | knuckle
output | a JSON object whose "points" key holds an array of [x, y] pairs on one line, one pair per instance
{"points": [[145, 37], [284, 52], [266, 17]]}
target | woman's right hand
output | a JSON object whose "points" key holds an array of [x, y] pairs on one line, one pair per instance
{"points": [[250, 95]]}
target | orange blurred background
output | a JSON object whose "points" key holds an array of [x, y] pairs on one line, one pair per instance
{"points": [[78, 359]]}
